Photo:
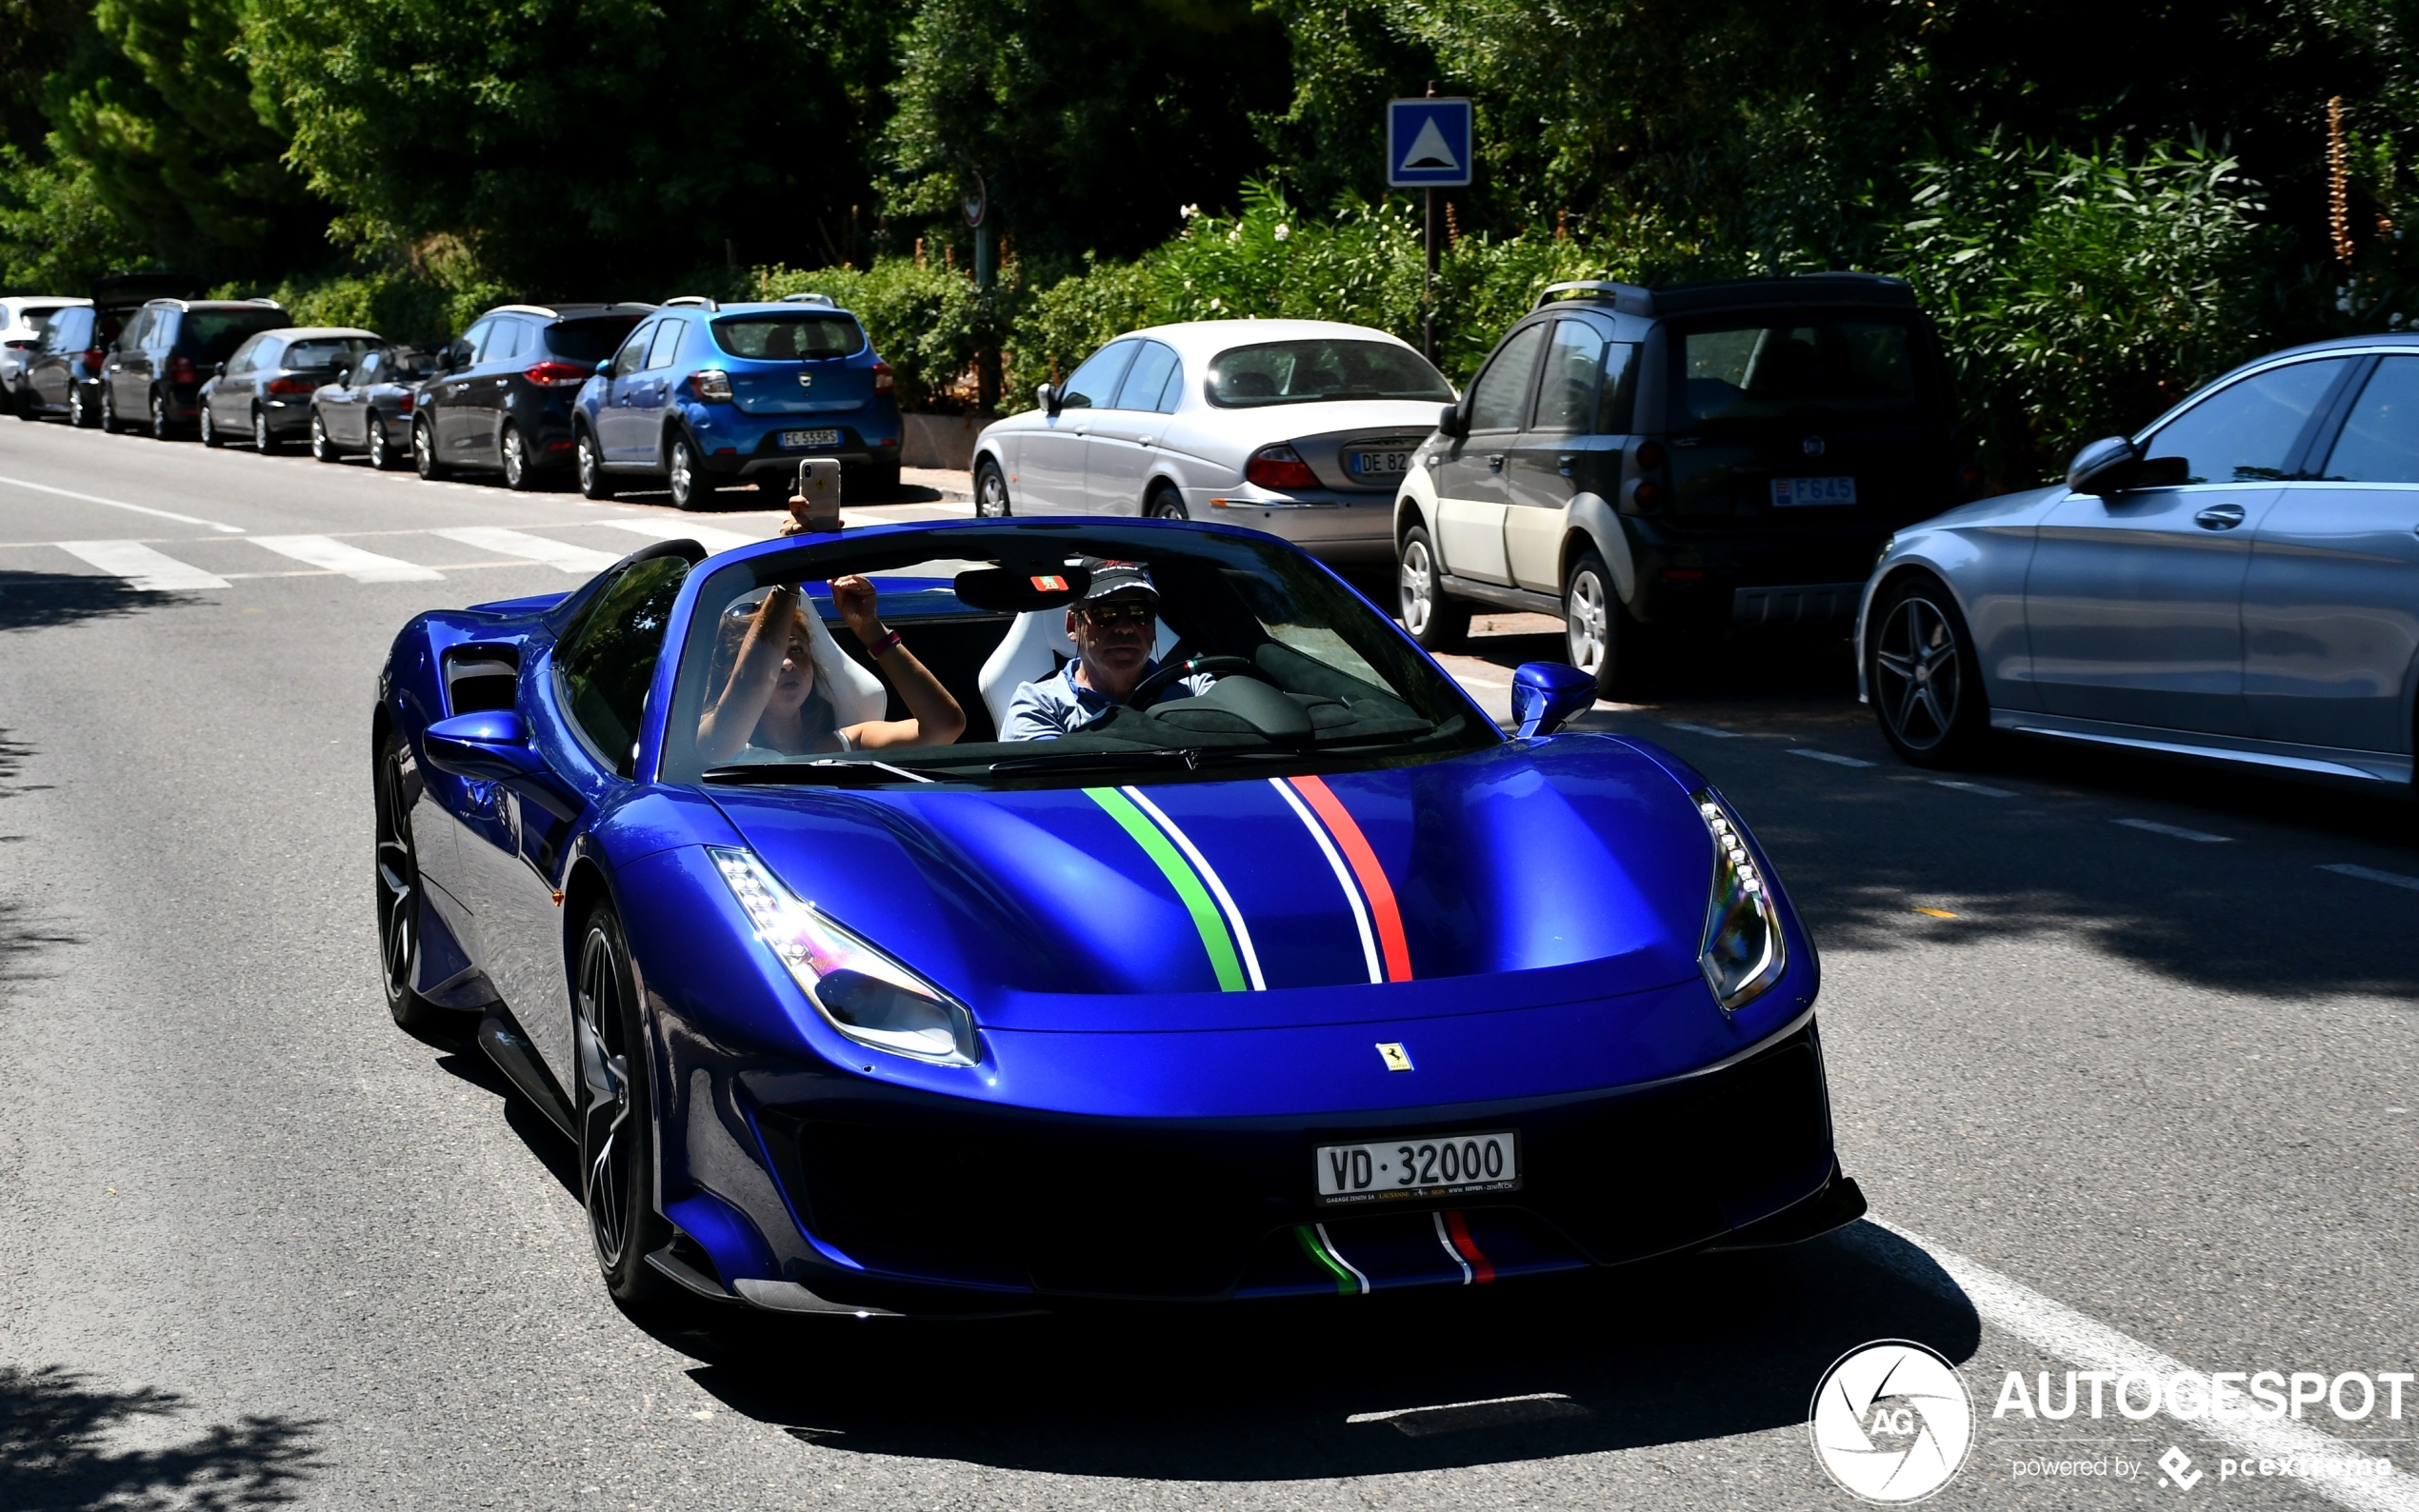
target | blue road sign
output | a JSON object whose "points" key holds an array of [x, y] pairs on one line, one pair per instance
{"points": [[1427, 144]]}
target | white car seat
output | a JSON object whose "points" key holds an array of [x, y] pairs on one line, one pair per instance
{"points": [[1036, 646], [856, 694]]}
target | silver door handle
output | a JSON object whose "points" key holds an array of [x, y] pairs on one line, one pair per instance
{"points": [[2219, 517], [1148, 441], [1496, 462]]}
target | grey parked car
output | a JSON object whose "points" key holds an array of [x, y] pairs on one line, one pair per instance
{"points": [[2238, 583], [369, 406], [264, 392]]}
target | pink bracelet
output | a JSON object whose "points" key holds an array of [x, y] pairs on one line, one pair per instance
{"points": [[883, 646]]}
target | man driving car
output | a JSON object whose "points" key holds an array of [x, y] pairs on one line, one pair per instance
{"points": [[1113, 627]]}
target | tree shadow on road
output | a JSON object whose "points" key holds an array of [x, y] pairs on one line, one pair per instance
{"points": [[56, 1454], [36, 600], [1669, 1353]]}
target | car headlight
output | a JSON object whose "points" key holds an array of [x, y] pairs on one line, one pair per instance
{"points": [[1743, 953], [862, 993]]}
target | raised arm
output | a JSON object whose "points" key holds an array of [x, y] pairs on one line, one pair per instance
{"points": [[727, 724], [933, 716]]}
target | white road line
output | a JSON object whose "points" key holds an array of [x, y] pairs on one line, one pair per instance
{"points": [[710, 539], [1835, 759], [336, 556], [1455, 1406], [530, 547], [120, 504], [142, 568], [1703, 729], [2200, 837], [2046, 1324], [1984, 788], [2391, 879]]}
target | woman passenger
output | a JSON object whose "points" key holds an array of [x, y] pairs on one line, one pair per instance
{"points": [[773, 700]]}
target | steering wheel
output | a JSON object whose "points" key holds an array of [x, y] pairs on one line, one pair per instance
{"points": [[1193, 666]]}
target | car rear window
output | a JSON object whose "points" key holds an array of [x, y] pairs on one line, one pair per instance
{"points": [[331, 352], [37, 317], [407, 362], [212, 335], [775, 338], [1320, 368], [1792, 366], [588, 340]]}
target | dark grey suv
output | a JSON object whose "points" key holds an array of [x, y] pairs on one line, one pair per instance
{"points": [[1651, 463]]}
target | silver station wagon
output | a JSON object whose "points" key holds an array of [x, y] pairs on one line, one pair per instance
{"points": [[1299, 427], [2238, 583]]}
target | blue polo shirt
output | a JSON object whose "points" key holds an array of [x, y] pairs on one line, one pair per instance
{"points": [[1057, 705]]}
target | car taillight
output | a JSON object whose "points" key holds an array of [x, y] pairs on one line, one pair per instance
{"points": [[180, 369], [93, 357], [1279, 467], [553, 374], [293, 386], [1647, 496], [883, 381], [1650, 457], [711, 384], [403, 401]]}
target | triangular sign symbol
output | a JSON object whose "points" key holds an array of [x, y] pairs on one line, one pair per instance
{"points": [[1429, 149]]}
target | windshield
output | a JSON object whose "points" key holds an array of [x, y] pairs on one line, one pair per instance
{"points": [[326, 351], [588, 340], [402, 363], [1795, 367], [1246, 659], [778, 338], [212, 335], [1319, 369]]}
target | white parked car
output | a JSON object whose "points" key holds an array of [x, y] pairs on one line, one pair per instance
{"points": [[1299, 427], [22, 317]]}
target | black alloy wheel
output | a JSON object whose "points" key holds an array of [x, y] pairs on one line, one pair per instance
{"points": [[1923, 676], [81, 413], [262, 440], [108, 408], [990, 491], [424, 451], [1435, 621], [595, 483], [616, 1119], [159, 416], [1165, 504], [518, 475], [209, 429], [322, 450], [399, 899], [690, 487], [382, 452]]}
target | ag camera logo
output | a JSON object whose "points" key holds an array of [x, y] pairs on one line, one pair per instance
{"points": [[1891, 1421]]}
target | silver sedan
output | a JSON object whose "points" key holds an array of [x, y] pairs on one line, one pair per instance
{"points": [[1299, 427], [2238, 583]]}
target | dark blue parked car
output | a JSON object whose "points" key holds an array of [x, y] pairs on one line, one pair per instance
{"points": [[705, 393]]}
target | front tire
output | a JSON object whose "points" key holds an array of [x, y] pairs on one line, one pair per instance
{"points": [[322, 450], [399, 900], [108, 409], [209, 429], [381, 451], [990, 491], [160, 428], [518, 476], [1435, 621], [616, 1116], [690, 486], [262, 440], [81, 413], [586, 460], [1924, 679], [424, 451]]}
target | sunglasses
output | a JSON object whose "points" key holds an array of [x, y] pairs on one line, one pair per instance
{"points": [[1118, 613]]}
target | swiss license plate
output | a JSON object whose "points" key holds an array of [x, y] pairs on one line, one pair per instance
{"points": [[1377, 464], [1797, 494], [799, 440], [1418, 1165]]}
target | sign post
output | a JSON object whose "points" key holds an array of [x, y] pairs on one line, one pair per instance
{"points": [[1428, 147]]}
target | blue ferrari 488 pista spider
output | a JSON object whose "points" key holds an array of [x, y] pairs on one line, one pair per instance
{"points": [[1283, 973]]}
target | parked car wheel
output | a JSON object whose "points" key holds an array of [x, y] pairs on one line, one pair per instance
{"points": [[1435, 621], [28, 406], [1924, 679], [1165, 504], [594, 482], [381, 451], [322, 450], [424, 451], [990, 491], [1598, 634], [399, 902], [108, 410], [518, 475], [617, 1125], [690, 488], [209, 429], [160, 428], [262, 440]]}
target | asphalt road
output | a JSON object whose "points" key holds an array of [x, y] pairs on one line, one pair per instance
{"points": [[2120, 1063]]}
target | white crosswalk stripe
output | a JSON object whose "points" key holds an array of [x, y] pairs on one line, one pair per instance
{"points": [[142, 568], [578, 559], [338, 556], [711, 538]]}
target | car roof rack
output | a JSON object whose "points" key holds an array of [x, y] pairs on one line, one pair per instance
{"points": [[1627, 298], [695, 301], [263, 299], [1741, 293], [821, 301], [539, 311]]}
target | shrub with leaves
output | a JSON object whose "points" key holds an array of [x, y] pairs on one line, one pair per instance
{"points": [[928, 323]]}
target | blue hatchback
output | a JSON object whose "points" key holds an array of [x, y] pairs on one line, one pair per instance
{"points": [[705, 394]]}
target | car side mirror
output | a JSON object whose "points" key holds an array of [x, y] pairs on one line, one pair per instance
{"points": [[2106, 466], [1453, 422], [492, 746], [344, 377], [1546, 693], [1048, 396]]}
